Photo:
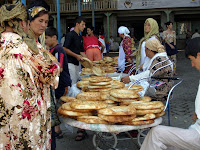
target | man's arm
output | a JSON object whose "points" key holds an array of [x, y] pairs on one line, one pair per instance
{"points": [[69, 52]]}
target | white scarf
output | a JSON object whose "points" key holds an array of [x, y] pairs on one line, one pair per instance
{"points": [[123, 30]]}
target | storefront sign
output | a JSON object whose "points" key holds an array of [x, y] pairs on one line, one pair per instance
{"points": [[150, 4]]}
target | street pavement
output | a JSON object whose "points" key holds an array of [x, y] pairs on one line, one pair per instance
{"points": [[181, 108]]}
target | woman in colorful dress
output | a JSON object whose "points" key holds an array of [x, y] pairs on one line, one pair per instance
{"points": [[39, 18], [125, 60], [157, 65], [92, 45], [169, 37], [25, 79]]}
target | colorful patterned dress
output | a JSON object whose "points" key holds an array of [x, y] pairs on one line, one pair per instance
{"points": [[127, 45], [25, 79]]}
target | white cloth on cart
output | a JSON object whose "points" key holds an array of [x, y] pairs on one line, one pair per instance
{"points": [[108, 128]]}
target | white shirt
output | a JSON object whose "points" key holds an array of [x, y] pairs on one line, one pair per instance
{"points": [[196, 34], [196, 126], [143, 54]]}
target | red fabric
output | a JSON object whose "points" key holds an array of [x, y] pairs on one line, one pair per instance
{"points": [[127, 47], [61, 59], [93, 54], [102, 37], [90, 42]]}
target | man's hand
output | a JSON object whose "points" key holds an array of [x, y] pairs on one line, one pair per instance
{"points": [[194, 117], [125, 79], [79, 57]]}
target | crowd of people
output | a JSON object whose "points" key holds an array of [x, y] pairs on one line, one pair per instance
{"points": [[36, 78]]}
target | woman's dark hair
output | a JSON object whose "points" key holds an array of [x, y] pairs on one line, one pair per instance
{"points": [[168, 23], [91, 28], [193, 47], [42, 3]]}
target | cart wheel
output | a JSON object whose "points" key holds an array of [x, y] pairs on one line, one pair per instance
{"points": [[141, 135], [104, 140]]}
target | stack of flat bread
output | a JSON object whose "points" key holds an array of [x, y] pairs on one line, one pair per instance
{"points": [[119, 95], [105, 105], [98, 84], [146, 112], [117, 114]]}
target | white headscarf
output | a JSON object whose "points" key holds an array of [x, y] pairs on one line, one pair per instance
{"points": [[123, 30]]}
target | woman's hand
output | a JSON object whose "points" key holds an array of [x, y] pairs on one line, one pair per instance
{"points": [[125, 79], [172, 47], [141, 67], [194, 117]]}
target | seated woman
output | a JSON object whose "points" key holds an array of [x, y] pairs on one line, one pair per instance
{"points": [[158, 65]]}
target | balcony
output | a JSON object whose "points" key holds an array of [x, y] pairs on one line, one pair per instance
{"points": [[85, 6]]}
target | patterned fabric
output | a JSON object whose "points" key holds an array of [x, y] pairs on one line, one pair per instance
{"points": [[11, 16], [127, 47], [169, 37], [34, 11], [162, 86], [25, 79]]}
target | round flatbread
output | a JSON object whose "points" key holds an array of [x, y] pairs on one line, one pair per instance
{"points": [[145, 117], [116, 84], [67, 106], [98, 86], [110, 69], [109, 101], [123, 99], [98, 70], [127, 102], [100, 83], [137, 88], [72, 113], [122, 93], [137, 123], [92, 120], [86, 71], [162, 113], [116, 119], [86, 63], [145, 98], [87, 78], [100, 79], [90, 105], [94, 96], [141, 112], [99, 90], [105, 95], [118, 110], [108, 59], [148, 105], [67, 99], [82, 84]]}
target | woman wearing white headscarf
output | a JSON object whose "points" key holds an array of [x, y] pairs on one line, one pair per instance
{"points": [[124, 50], [158, 59]]}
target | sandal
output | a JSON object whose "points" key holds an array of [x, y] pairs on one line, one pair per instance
{"points": [[82, 134], [59, 135]]}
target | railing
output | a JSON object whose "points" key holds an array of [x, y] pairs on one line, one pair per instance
{"points": [[85, 6]]}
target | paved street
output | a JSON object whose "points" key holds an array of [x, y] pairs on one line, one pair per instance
{"points": [[182, 109]]}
